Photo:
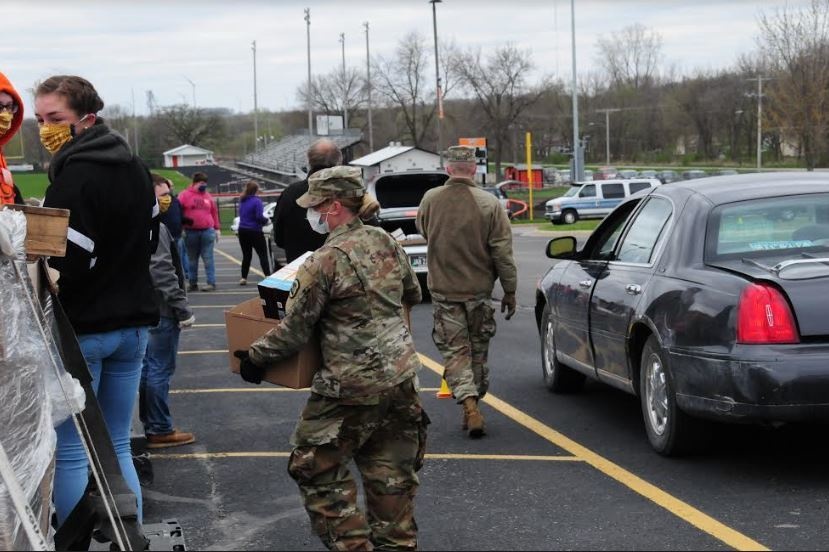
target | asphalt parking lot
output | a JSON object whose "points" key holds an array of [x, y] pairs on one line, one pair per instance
{"points": [[554, 472]]}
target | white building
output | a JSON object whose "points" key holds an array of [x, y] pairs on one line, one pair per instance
{"points": [[396, 158], [187, 156]]}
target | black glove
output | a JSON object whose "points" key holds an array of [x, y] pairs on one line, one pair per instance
{"points": [[249, 371]]}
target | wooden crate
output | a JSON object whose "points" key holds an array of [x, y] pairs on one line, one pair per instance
{"points": [[46, 230]]}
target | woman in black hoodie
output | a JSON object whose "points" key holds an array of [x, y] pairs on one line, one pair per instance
{"points": [[105, 283]]}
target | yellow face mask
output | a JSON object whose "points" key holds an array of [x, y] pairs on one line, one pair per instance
{"points": [[54, 135], [5, 122], [164, 203]]}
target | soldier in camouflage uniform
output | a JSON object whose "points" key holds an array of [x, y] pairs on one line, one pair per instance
{"points": [[470, 246], [364, 401]]}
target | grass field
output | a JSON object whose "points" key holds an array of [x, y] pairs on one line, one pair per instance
{"points": [[35, 184]]}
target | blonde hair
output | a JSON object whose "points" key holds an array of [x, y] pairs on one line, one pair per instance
{"points": [[364, 207]]}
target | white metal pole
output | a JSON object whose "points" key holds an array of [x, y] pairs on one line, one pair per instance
{"points": [[577, 169], [438, 92], [759, 123], [368, 92], [607, 136], [255, 104], [345, 88], [308, 41]]}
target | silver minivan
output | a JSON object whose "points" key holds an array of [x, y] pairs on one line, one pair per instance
{"points": [[594, 199]]}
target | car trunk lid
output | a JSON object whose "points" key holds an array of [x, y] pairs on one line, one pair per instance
{"points": [[804, 280]]}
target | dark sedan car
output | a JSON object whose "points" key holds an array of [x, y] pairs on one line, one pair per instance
{"points": [[701, 299]]}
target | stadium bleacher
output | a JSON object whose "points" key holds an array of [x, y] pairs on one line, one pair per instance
{"points": [[227, 180], [286, 158]]}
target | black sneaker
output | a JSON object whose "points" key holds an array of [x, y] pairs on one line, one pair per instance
{"points": [[193, 287]]}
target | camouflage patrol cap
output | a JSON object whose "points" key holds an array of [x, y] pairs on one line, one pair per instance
{"points": [[335, 182], [460, 154]]}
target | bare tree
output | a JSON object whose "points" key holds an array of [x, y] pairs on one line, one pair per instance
{"points": [[403, 83], [195, 126], [795, 43], [329, 92], [631, 57], [499, 84]]}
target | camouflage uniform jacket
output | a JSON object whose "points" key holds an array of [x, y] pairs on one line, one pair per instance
{"points": [[470, 242], [352, 291]]}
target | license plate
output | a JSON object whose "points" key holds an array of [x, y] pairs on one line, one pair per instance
{"points": [[418, 262]]}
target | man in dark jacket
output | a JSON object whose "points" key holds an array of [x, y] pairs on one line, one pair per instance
{"points": [[290, 225], [162, 348]]}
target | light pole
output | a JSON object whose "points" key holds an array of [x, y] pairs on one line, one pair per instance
{"points": [[345, 88], [368, 92], [607, 113], [308, 97], [193, 84], [578, 169], [438, 94], [255, 103]]}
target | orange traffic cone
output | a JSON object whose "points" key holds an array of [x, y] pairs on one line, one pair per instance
{"points": [[444, 392]]}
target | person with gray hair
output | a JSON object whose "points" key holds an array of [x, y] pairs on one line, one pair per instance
{"points": [[290, 226]]}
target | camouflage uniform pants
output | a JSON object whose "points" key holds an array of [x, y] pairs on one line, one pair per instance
{"points": [[462, 332], [387, 442]]}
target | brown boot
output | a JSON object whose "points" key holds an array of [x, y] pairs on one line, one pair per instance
{"points": [[474, 419], [174, 439]]}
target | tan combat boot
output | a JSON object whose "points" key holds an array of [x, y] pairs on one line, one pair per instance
{"points": [[473, 418]]}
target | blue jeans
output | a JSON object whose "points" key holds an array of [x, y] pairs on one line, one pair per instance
{"points": [[159, 365], [200, 243], [114, 359], [182, 253]]}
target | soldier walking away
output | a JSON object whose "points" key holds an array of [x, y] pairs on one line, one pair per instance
{"points": [[364, 402], [470, 246]]}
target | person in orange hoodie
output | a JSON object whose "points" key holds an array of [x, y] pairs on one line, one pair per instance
{"points": [[11, 117]]}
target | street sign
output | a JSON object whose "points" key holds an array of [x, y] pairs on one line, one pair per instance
{"points": [[481, 158]]}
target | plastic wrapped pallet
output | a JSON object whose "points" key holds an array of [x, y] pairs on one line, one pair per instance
{"points": [[26, 425]]}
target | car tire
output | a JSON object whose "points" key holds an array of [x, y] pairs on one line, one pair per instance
{"points": [[557, 377], [671, 431], [569, 217]]}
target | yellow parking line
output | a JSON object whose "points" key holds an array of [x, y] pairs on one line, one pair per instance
{"points": [[496, 457], [682, 510], [234, 260], [207, 326], [205, 352], [260, 390]]}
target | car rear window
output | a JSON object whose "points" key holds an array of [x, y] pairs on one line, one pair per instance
{"points": [[639, 186], [769, 227]]}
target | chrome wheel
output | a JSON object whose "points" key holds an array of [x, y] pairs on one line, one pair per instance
{"points": [[656, 394], [569, 217], [549, 352]]}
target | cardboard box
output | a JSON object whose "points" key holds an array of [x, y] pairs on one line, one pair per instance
{"points": [[276, 288], [46, 230], [246, 323]]}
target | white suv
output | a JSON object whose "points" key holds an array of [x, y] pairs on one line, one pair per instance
{"points": [[594, 199]]}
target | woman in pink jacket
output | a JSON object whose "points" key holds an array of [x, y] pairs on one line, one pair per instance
{"points": [[201, 230]]}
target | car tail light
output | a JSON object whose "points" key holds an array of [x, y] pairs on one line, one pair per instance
{"points": [[764, 316]]}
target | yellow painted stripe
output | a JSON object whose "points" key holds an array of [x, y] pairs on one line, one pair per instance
{"points": [[195, 326], [679, 508], [234, 260], [495, 457], [205, 352], [258, 390]]}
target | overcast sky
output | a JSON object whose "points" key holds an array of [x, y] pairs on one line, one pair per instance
{"points": [[127, 48]]}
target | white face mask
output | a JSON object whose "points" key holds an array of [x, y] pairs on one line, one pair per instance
{"points": [[315, 220]]}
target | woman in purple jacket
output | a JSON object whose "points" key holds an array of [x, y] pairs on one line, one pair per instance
{"points": [[251, 221]]}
